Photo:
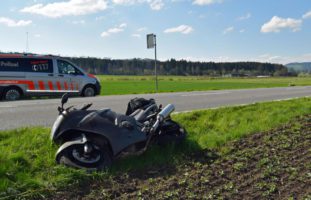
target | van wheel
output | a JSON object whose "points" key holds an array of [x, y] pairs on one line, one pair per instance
{"points": [[12, 94], [88, 91]]}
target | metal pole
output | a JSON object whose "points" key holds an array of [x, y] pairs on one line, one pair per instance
{"points": [[155, 62], [27, 42]]}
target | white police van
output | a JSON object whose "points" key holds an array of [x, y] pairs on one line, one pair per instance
{"points": [[36, 75]]}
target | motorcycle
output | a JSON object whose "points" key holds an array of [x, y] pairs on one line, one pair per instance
{"points": [[92, 139]]}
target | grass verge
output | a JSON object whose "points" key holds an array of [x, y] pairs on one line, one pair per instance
{"points": [[27, 167], [114, 85]]}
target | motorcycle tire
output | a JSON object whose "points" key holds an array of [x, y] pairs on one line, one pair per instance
{"points": [[171, 133], [74, 156]]}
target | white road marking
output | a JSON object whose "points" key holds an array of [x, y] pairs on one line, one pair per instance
{"points": [[203, 94], [3, 106]]}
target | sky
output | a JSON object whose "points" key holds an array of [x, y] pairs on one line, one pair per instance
{"points": [[277, 31]]}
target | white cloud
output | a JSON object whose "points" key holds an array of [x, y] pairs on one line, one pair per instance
{"points": [[307, 15], [37, 35], [67, 8], [184, 29], [276, 24], [206, 2], [154, 4], [208, 59], [245, 17], [228, 30], [12, 23], [127, 2], [136, 35], [242, 30], [269, 58], [142, 29], [283, 59], [123, 25], [114, 30]]}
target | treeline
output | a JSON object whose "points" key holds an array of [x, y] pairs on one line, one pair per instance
{"points": [[138, 66], [179, 67]]}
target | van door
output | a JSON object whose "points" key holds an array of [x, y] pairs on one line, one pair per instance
{"points": [[41, 72], [69, 75]]}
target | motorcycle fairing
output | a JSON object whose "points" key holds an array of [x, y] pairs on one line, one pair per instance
{"points": [[102, 123]]}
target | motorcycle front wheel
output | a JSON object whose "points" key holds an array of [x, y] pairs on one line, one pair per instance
{"points": [[171, 133], [78, 156]]}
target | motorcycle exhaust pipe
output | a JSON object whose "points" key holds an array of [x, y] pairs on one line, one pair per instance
{"points": [[167, 110], [162, 115]]}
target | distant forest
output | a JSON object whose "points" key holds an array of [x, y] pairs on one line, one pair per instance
{"points": [[179, 67], [138, 66]]}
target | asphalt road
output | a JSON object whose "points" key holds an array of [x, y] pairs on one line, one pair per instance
{"points": [[43, 112]]}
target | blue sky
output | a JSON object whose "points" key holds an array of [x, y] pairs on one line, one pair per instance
{"points": [[206, 30]]}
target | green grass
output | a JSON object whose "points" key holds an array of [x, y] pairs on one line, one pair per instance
{"points": [[113, 85], [27, 166]]}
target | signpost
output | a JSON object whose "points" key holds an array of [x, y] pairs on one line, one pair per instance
{"points": [[152, 43]]}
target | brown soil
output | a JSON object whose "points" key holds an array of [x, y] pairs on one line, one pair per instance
{"points": [[269, 165]]}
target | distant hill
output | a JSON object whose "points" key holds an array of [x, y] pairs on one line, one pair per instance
{"points": [[300, 67]]}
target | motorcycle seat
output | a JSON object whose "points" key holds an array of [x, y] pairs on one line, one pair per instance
{"points": [[107, 114], [125, 121], [119, 120]]}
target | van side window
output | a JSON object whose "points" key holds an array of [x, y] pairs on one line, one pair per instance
{"points": [[26, 65], [41, 65], [65, 67]]}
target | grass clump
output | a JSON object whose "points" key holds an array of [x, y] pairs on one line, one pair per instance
{"points": [[27, 163], [213, 128]]}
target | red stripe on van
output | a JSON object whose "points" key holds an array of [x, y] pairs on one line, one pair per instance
{"points": [[51, 85], [31, 85], [66, 86], [59, 87], [71, 86], [8, 82], [41, 85]]}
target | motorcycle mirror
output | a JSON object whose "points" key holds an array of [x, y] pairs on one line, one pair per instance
{"points": [[65, 98]]}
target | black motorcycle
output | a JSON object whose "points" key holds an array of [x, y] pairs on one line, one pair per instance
{"points": [[92, 139]]}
